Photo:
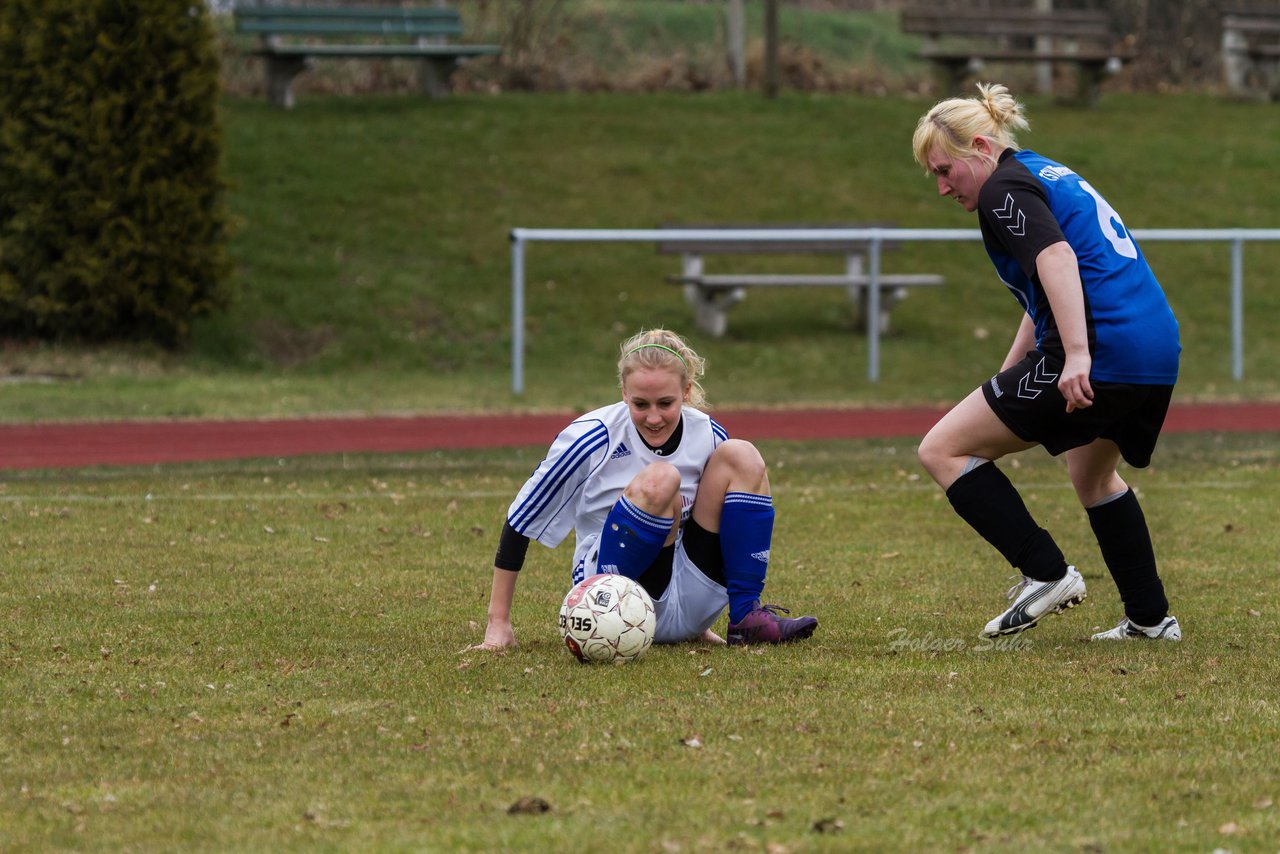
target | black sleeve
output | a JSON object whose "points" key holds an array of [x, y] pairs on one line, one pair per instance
{"points": [[1015, 213], [512, 546]]}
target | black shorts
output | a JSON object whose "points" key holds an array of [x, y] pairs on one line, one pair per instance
{"points": [[1026, 398]]}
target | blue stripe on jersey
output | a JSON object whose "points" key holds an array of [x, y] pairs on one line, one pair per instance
{"points": [[555, 479], [581, 449], [720, 433]]}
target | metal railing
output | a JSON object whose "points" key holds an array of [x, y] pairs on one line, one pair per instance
{"points": [[875, 239]]}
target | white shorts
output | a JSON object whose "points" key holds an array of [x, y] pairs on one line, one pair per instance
{"points": [[691, 604]]}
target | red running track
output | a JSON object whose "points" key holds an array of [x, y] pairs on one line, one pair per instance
{"points": [[33, 446]]}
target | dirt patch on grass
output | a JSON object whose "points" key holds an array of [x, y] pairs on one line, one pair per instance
{"points": [[290, 346]]}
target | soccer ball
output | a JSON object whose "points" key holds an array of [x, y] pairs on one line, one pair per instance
{"points": [[607, 618]]}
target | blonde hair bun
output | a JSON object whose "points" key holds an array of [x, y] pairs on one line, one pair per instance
{"points": [[951, 125]]}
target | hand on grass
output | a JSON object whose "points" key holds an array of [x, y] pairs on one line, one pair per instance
{"points": [[497, 636]]}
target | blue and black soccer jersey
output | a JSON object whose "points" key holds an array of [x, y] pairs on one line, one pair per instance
{"points": [[1028, 204]]}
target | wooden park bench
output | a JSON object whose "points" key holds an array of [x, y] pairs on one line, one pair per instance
{"points": [[959, 42], [713, 294], [1251, 51], [426, 30]]}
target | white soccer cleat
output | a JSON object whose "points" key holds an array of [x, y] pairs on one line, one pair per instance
{"points": [[1033, 599], [1166, 629]]}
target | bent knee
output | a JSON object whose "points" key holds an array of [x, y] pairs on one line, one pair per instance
{"points": [[741, 456], [932, 452], [1094, 491], [943, 460], [655, 486]]}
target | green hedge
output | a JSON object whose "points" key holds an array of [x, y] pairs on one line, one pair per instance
{"points": [[112, 211]]}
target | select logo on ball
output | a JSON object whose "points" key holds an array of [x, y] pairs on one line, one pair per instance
{"points": [[607, 618]]}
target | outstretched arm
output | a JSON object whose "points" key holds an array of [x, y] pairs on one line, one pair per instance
{"points": [[498, 634], [512, 546], [541, 506]]}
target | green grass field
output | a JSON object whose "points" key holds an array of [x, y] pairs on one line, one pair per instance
{"points": [[373, 269], [270, 656]]}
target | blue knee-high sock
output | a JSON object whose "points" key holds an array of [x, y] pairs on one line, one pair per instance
{"points": [[746, 532], [631, 539]]}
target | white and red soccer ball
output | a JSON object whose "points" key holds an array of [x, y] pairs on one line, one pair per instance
{"points": [[607, 619]]}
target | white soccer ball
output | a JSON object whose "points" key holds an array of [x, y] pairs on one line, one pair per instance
{"points": [[607, 618]]}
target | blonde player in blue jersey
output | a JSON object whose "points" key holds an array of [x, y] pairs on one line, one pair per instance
{"points": [[655, 490], [1089, 375]]}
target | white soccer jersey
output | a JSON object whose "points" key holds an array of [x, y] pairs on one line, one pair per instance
{"points": [[587, 468]]}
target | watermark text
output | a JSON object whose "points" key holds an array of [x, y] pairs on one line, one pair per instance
{"points": [[903, 640]]}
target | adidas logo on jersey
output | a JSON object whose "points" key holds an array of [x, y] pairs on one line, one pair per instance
{"points": [[621, 451], [763, 556]]}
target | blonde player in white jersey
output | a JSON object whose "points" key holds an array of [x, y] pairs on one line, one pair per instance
{"points": [[655, 490]]}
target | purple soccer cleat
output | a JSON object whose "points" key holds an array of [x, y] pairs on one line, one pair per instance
{"points": [[763, 625]]}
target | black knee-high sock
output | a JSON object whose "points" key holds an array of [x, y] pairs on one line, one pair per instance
{"points": [[986, 499], [1125, 541]]}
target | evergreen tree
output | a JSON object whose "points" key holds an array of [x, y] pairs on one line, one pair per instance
{"points": [[112, 210]]}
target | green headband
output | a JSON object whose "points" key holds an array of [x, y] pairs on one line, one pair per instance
{"points": [[660, 347]]}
